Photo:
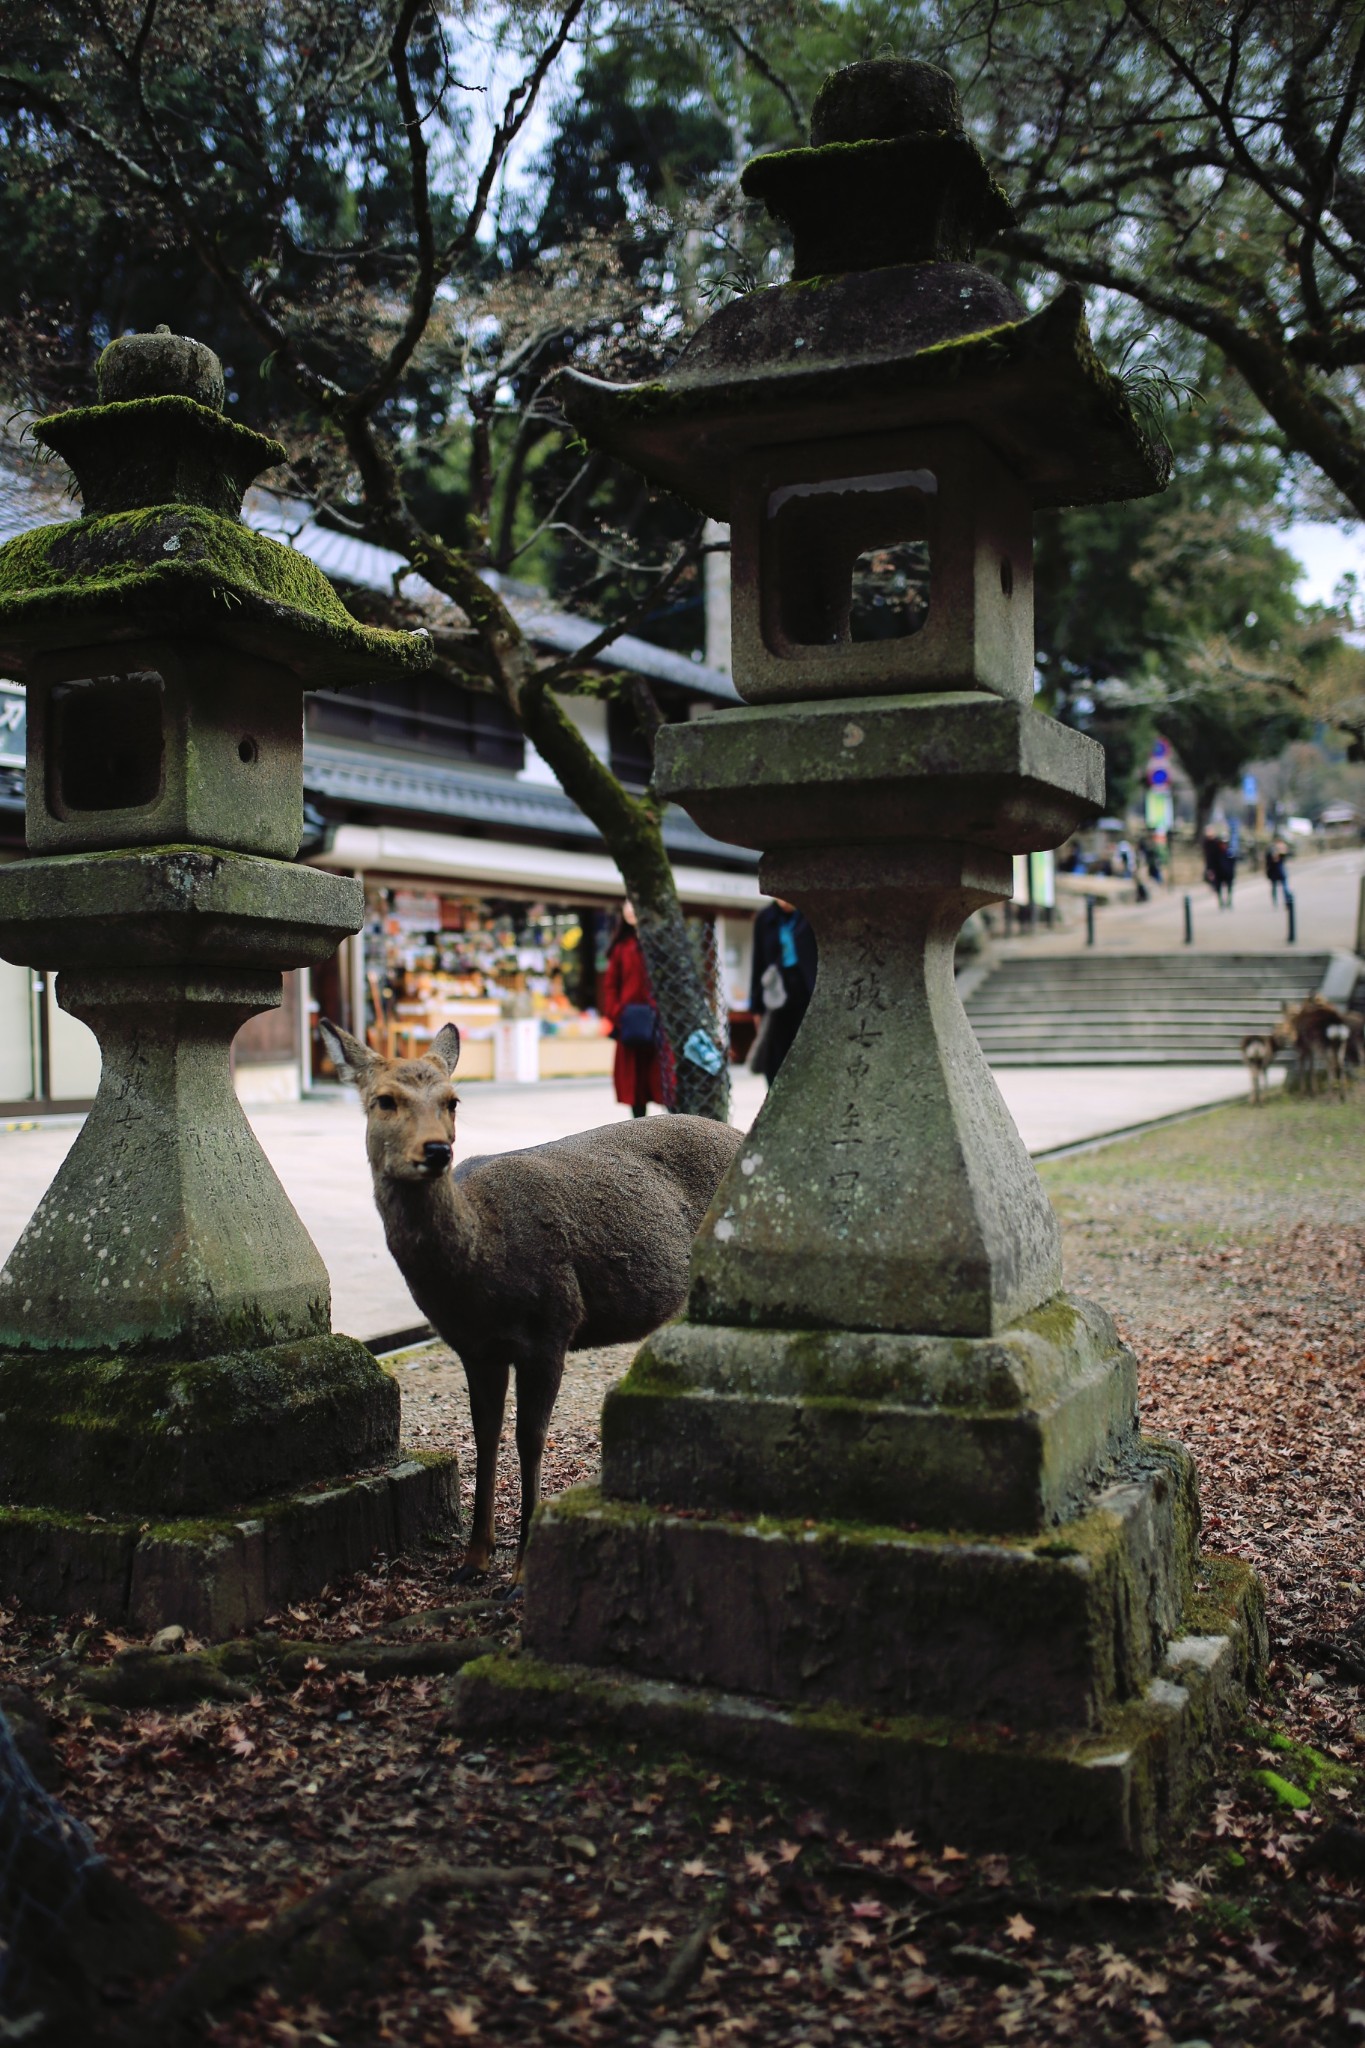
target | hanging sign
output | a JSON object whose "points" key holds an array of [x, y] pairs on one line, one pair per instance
{"points": [[13, 722]]}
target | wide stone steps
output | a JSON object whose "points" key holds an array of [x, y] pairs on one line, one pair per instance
{"points": [[1134, 1010]]}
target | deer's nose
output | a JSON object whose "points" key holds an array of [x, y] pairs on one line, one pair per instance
{"points": [[436, 1154]]}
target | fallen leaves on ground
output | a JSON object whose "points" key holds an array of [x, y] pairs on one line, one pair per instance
{"points": [[1230, 1250]]}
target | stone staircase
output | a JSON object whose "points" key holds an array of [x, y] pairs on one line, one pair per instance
{"points": [[1134, 1009]]}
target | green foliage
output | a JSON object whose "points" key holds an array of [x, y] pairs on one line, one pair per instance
{"points": [[1178, 614]]}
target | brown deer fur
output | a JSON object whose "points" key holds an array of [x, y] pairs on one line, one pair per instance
{"points": [[520, 1257], [1258, 1051], [1316, 1027]]}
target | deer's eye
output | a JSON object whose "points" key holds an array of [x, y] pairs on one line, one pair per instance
{"points": [[385, 1102], [453, 1104]]}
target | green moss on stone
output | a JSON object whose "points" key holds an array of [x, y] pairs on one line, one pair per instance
{"points": [[128, 1433], [160, 566], [1287, 1794]]}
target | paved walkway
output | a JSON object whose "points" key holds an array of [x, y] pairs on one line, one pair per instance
{"points": [[317, 1148], [1326, 890]]}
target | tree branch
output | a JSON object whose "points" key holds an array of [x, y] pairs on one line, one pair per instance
{"points": [[518, 106], [686, 556]]}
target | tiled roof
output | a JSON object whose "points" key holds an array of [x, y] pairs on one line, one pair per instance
{"points": [[28, 501], [361, 775]]}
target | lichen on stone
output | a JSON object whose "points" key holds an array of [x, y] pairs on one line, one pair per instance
{"points": [[153, 568]]}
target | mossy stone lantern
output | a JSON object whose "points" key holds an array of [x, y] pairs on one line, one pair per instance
{"points": [[181, 1429], [925, 1560]]}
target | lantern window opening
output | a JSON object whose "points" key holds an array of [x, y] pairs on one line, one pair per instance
{"points": [[107, 746], [849, 559]]}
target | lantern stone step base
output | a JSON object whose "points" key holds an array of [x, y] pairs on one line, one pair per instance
{"points": [[1067, 1797], [1039, 1632], [225, 1571], [175, 1436], [1000, 1434]]}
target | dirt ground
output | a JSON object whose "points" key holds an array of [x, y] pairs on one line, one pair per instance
{"points": [[363, 1876]]}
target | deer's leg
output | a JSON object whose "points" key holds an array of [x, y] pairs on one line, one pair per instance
{"points": [[537, 1391], [487, 1385]]}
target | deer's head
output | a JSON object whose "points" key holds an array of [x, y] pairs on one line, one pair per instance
{"points": [[409, 1104]]}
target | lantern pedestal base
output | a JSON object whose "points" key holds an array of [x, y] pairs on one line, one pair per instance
{"points": [[185, 1436], [1058, 1694], [1101, 1800], [229, 1569], [996, 1434]]}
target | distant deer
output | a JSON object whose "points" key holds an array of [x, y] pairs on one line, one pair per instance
{"points": [[1258, 1050], [1316, 1027], [1336, 1041], [520, 1257]]}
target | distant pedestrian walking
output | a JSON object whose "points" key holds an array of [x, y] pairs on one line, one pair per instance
{"points": [[1220, 865], [1277, 853], [783, 981], [643, 1068]]}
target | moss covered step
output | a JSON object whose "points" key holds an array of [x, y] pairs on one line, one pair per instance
{"points": [[219, 1573], [1053, 1629], [155, 1436], [1100, 1798], [997, 1434]]}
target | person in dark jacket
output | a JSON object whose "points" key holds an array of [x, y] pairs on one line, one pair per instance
{"points": [[783, 982], [1277, 853], [643, 1068]]}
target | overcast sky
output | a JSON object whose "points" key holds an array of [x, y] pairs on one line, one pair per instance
{"points": [[1326, 552]]}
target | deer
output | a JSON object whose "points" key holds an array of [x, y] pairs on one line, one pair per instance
{"points": [[518, 1258], [1316, 1026], [1259, 1049]]}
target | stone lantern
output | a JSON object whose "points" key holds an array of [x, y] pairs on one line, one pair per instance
{"points": [[875, 1515], [184, 1439]]}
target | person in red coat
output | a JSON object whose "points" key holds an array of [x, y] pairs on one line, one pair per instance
{"points": [[643, 1070]]}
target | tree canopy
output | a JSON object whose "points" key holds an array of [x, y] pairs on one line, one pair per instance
{"points": [[334, 199]]}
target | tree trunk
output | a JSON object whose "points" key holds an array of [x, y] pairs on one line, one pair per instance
{"points": [[1205, 797], [630, 826]]}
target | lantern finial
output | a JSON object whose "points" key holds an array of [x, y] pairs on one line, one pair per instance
{"points": [[160, 365], [890, 176]]}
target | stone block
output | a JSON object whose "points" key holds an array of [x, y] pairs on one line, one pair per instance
{"points": [[884, 1185], [161, 743], [1056, 1630], [66, 1564], [802, 516], [183, 1436], [994, 1435], [1100, 1799], [961, 765], [163, 906], [166, 1231], [227, 1571]]}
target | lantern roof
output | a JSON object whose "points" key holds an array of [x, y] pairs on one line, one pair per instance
{"points": [[161, 548], [886, 325]]}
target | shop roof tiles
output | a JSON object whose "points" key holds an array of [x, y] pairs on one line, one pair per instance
{"points": [[361, 775]]}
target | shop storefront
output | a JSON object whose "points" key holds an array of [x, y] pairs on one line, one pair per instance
{"points": [[508, 943], [517, 976]]}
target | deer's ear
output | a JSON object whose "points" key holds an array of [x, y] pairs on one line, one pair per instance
{"points": [[445, 1048], [351, 1059]]}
